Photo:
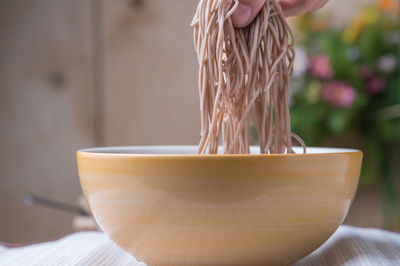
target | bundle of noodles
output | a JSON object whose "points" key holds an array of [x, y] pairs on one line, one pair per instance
{"points": [[243, 74]]}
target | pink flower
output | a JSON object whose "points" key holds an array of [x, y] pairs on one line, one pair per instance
{"points": [[338, 93], [321, 67], [375, 85], [366, 72]]}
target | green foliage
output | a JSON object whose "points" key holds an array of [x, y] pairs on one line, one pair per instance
{"points": [[364, 58], [338, 52], [371, 43]]}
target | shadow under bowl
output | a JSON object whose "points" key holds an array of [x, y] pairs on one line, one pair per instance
{"points": [[168, 206]]}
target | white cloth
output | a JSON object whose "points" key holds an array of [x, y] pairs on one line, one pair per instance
{"points": [[348, 246], [352, 246]]}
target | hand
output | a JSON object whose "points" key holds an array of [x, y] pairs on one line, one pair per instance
{"points": [[248, 9]]}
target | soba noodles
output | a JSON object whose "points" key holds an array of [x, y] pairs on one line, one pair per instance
{"points": [[243, 74]]}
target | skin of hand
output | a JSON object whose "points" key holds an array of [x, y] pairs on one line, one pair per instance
{"points": [[247, 10]]}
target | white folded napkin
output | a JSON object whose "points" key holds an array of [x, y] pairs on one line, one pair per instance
{"points": [[348, 246]]}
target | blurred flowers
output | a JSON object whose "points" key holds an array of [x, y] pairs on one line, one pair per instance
{"points": [[301, 62], [338, 93], [366, 72], [321, 67], [313, 93], [367, 16], [387, 63], [347, 83], [388, 5], [375, 85]]}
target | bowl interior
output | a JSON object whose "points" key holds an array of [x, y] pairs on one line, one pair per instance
{"points": [[191, 150]]}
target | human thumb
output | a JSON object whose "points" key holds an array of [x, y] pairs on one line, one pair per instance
{"points": [[246, 11]]}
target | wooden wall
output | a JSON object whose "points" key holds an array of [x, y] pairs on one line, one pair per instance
{"points": [[46, 111], [150, 73], [83, 73], [79, 73]]}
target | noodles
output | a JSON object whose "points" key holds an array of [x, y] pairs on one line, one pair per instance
{"points": [[243, 74]]}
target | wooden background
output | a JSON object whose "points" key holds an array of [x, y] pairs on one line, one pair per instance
{"points": [[80, 73]]}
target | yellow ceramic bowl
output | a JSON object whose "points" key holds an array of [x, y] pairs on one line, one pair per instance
{"points": [[167, 206]]}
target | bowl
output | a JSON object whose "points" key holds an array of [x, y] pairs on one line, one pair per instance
{"points": [[168, 206]]}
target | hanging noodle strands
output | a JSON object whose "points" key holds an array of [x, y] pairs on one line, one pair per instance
{"points": [[244, 74]]}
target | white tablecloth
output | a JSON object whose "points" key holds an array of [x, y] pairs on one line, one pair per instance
{"points": [[348, 246]]}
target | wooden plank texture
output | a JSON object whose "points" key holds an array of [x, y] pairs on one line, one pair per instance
{"points": [[151, 73], [46, 111]]}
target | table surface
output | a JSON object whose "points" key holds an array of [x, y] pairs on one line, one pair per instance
{"points": [[348, 246]]}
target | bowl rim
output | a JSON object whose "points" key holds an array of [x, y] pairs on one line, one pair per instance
{"points": [[146, 151]]}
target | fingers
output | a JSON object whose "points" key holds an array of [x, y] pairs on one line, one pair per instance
{"points": [[246, 11], [297, 7]]}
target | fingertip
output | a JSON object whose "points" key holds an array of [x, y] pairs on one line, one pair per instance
{"points": [[246, 11], [242, 15]]}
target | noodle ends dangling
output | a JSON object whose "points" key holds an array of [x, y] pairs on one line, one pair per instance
{"points": [[243, 74]]}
